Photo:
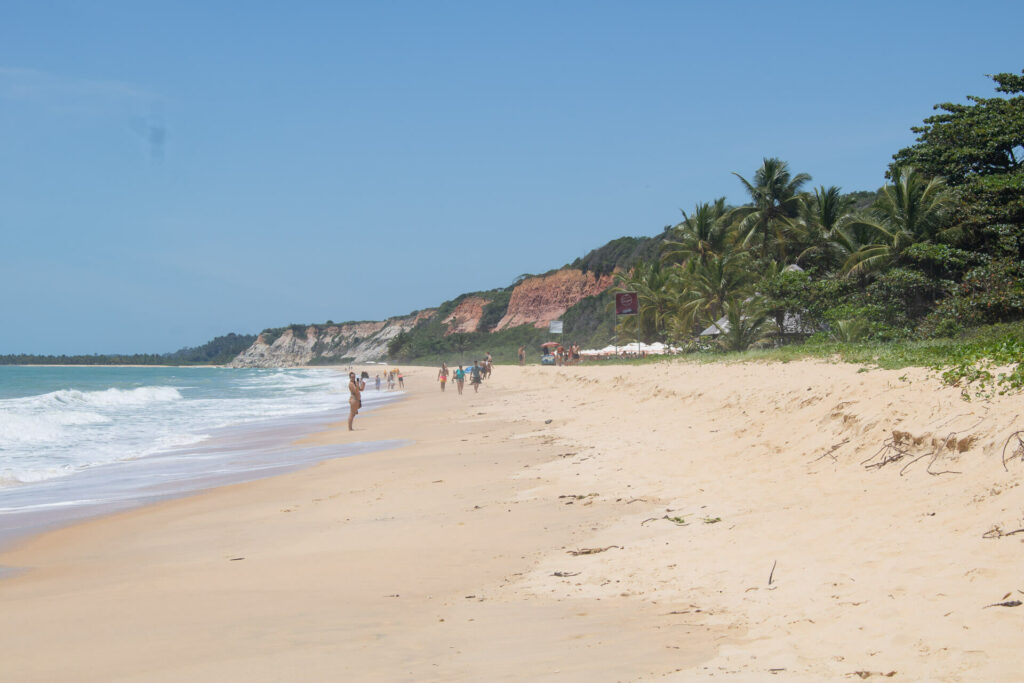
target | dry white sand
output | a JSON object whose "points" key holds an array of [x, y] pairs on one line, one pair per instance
{"points": [[740, 537]]}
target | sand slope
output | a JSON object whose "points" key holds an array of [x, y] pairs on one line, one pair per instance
{"points": [[452, 559]]}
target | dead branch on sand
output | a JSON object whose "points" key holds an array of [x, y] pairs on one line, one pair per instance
{"points": [[678, 521], [592, 551], [997, 532], [832, 450], [1018, 451], [892, 450], [941, 446], [1007, 603]]}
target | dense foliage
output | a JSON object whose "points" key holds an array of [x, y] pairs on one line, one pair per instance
{"points": [[622, 253]]}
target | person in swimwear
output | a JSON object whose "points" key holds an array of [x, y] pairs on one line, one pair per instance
{"points": [[355, 401], [460, 379], [442, 375], [475, 376]]}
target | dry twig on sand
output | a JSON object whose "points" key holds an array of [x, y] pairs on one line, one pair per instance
{"points": [[996, 532], [592, 551], [1018, 451], [949, 441], [832, 450], [869, 674], [1007, 603], [892, 450], [678, 521]]}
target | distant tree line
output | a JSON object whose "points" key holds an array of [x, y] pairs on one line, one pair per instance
{"points": [[218, 351]]}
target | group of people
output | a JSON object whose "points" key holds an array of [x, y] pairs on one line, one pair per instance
{"points": [[390, 377], [569, 355], [477, 372]]}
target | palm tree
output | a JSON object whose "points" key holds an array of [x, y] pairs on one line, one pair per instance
{"points": [[747, 324], [775, 201], [912, 209], [700, 235], [707, 286], [821, 217]]}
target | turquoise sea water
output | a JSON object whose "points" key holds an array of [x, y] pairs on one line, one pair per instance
{"points": [[76, 441]]}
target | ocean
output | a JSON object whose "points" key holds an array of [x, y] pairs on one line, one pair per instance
{"points": [[85, 440]]}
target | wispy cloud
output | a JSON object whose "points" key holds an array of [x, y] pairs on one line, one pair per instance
{"points": [[32, 86], [77, 97]]}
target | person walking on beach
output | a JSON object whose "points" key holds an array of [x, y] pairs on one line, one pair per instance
{"points": [[476, 376], [442, 375], [460, 379], [401, 379], [355, 401], [522, 355], [378, 381]]}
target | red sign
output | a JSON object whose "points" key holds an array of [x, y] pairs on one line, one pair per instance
{"points": [[627, 303]]}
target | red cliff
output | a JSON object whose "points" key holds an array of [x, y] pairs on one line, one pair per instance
{"points": [[466, 316], [538, 300]]}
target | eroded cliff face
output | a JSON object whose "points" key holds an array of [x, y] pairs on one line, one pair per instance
{"points": [[348, 342], [534, 301], [466, 316], [539, 300]]}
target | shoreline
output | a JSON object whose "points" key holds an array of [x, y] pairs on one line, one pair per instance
{"points": [[598, 523], [236, 453]]}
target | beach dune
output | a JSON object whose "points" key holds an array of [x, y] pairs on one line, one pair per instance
{"points": [[743, 521]]}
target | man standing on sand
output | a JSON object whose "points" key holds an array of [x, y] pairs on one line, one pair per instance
{"points": [[475, 376], [522, 355], [355, 401]]}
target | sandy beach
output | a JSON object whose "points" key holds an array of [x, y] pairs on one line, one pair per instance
{"points": [[799, 521]]}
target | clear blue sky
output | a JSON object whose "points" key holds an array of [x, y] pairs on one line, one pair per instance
{"points": [[170, 172]]}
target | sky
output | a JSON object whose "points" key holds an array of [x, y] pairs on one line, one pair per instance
{"points": [[177, 171]]}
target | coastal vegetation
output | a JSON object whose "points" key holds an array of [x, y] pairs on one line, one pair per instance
{"points": [[934, 252], [218, 351]]}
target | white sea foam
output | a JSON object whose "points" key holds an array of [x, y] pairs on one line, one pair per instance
{"points": [[52, 434]]}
